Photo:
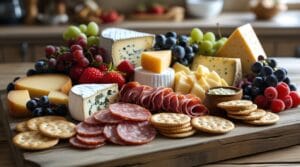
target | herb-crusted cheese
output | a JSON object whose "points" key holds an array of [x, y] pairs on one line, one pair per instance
{"points": [[86, 99], [230, 69], [122, 44]]}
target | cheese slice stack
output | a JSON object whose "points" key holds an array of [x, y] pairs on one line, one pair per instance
{"points": [[230, 69], [244, 44], [122, 44]]}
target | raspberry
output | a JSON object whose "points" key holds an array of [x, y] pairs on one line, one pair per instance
{"points": [[261, 101], [295, 98], [277, 105], [271, 93], [283, 89], [288, 101]]}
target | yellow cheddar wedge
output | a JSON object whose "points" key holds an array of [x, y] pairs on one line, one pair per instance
{"points": [[156, 61], [17, 100], [56, 97]]}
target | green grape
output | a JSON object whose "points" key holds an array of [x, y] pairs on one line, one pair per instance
{"points": [[206, 45], [66, 36], [82, 35], [209, 36], [93, 40], [218, 44], [92, 29], [83, 28], [211, 52], [73, 32], [196, 35], [224, 39]]}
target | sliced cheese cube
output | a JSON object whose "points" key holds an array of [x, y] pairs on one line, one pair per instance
{"points": [[244, 44], [180, 67], [56, 97], [17, 100], [198, 91], [213, 83], [183, 86], [204, 84], [202, 70], [223, 82], [214, 76], [156, 61]]}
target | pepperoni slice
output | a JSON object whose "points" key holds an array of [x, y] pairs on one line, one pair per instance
{"points": [[110, 132], [136, 133], [91, 140], [105, 116], [130, 112], [89, 130], [76, 143]]}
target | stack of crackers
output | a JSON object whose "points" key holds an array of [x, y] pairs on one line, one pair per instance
{"points": [[212, 124], [248, 112], [43, 132]]}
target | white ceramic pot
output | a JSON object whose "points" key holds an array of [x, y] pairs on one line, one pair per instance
{"points": [[204, 8]]}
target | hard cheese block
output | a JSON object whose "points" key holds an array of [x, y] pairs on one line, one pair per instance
{"points": [[164, 79], [41, 85], [85, 99], [156, 61], [122, 44], [230, 69], [56, 97], [17, 100], [244, 44]]}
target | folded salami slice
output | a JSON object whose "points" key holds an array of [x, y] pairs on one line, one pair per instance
{"points": [[131, 112], [197, 110], [96, 140], [105, 116], [136, 133], [110, 132], [78, 144]]}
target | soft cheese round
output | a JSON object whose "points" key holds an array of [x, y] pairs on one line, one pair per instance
{"points": [[164, 79]]}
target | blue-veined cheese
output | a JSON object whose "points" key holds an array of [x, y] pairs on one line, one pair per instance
{"points": [[122, 44], [85, 99]]}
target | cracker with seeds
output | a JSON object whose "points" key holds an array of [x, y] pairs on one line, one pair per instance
{"points": [[58, 129], [235, 105], [33, 124], [259, 113], [247, 111], [22, 127], [268, 119], [34, 140], [212, 124]]}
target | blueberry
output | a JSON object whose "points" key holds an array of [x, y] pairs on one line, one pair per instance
{"points": [[31, 72], [61, 110], [183, 40], [247, 97], [256, 67], [255, 91], [280, 74], [189, 56], [287, 80], [44, 101], [184, 62], [195, 48], [188, 50], [171, 34], [266, 71], [261, 57], [157, 47], [10, 87], [178, 52], [271, 80], [247, 90], [17, 78], [31, 105], [293, 87], [258, 81], [41, 66], [272, 63], [285, 70], [38, 112], [183, 43], [170, 42], [160, 40], [48, 111]]}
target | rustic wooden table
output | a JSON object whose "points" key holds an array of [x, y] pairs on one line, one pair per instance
{"points": [[283, 157]]}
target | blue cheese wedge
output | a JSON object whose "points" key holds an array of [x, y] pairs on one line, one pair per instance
{"points": [[85, 99], [122, 44]]}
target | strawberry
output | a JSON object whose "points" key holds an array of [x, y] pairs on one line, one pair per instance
{"points": [[91, 75], [126, 67], [114, 77], [103, 67], [157, 9], [110, 16]]}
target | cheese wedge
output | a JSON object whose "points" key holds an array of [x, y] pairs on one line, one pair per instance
{"points": [[17, 100], [41, 85], [180, 67], [198, 91], [56, 97], [244, 44], [156, 61]]}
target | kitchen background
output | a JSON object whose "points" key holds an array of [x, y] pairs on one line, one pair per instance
{"points": [[26, 26]]}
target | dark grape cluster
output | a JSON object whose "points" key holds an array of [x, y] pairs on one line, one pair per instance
{"points": [[41, 107], [182, 51], [266, 74]]}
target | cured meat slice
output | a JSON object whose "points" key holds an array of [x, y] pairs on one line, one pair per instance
{"points": [[134, 94], [136, 133], [105, 116], [110, 132], [197, 110], [159, 92], [91, 140], [84, 129], [131, 112], [181, 98], [145, 96], [167, 101], [126, 88], [157, 102], [78, 144], [174, 103], [91, 120]]}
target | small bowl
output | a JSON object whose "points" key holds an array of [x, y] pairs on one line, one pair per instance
{"points": [[211, 101], [204, 8]]}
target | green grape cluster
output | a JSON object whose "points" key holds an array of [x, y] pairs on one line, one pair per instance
{"points": [[208, 44], [90, 33]]}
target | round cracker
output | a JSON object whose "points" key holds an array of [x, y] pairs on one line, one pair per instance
{"points": [[235, 104], [34, 140], [212, 124], [180, 135], [247, 111], [58, 129], [173, 127], [179, 130], [259, 113], [268, 119], [169, 119], [22, 127], [33, 124]]}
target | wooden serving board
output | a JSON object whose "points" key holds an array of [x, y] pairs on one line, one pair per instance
{"points": [[199, 149]]}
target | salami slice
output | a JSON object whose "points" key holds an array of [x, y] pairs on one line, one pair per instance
{"points": [[105, 116], [76, 143], [127, 87], [84, 129], [136, 133], [135, 93], [145, 96], [110, 132], [91, 120], [166, 101], [91, 140], [197, 110], [130, 112]]}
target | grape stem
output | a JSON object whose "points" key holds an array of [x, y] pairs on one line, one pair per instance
{"points": [[219, 30]]}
